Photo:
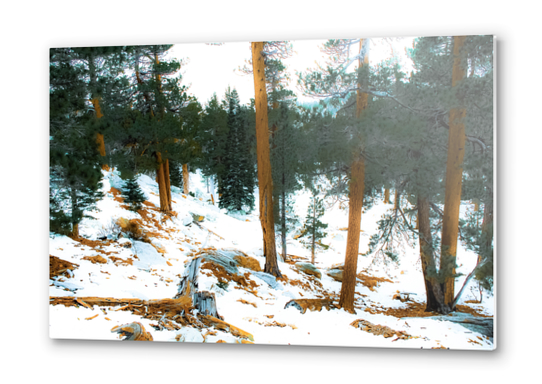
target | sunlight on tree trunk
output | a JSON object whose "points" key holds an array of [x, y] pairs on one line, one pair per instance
{"points": [[355, 204], [454, 174], [168, 183], [387, 196], [186, 179], [357, 184], [162, 189], [265, 182], [432, 286]]}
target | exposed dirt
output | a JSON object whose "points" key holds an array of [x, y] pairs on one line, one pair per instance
{"points": [[415, 309], [59, 267], [377, 329], [372, 282]]}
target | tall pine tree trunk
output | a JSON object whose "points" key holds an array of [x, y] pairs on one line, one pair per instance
{"points": [[168, 183], [75, 224], [387, 196], [283, 223], [265, 181], [435, 298], [186, 179], [487, 226], [161, 180], [313, 242], [454, 174], [355, 204]]}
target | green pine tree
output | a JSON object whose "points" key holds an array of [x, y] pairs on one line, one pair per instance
{"points": [[314, 227], [132, 194], [75, 163], [285, 159], [175, 174], [236, 186]]}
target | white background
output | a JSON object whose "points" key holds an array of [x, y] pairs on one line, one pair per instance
{"points": [[29, 29]]}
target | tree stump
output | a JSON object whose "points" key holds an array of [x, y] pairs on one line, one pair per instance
{"points": [[203, 301]]}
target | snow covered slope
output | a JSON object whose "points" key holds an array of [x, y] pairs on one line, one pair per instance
{"points": [[152, 267]]}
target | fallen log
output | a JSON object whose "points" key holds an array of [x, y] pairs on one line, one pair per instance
{"points": [[221, 325], [147, 308]]}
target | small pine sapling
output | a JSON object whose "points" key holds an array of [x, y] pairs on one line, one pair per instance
{"points": [[314, 227], [133, 195]]}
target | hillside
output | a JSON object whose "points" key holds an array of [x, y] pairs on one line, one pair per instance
{"points": [[125, 264]]}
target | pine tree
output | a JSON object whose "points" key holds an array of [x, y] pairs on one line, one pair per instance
{"points": [[175, 175], [236, 186], [215, 130], [160, 122], [133, 195], [75, 175], [314, 227], [285, 159]]}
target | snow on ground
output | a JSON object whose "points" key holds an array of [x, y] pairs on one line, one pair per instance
{"points": [[146, 271]]}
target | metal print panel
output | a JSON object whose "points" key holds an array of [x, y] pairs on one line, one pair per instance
{"points": [[325, 193]]}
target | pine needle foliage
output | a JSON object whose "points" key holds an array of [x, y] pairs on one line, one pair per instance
{"points": [[133, 195], [314, 228]]}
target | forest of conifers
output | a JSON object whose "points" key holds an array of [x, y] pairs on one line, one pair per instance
{"points": [[421, 137]]}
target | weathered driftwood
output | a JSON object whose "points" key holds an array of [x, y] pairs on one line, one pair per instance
{"points": [[311, 304], [225, 263], [211, 321], [133, 331], [203, 301], [168, 307]]}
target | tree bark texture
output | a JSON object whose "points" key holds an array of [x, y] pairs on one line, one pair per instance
{"points": [[168, 183], [99, 136], [435, 298], [265, 181], [387, 196], [355, 204], [186, 179], [487, 224], [454, 174], [75, 225], [283, 223], [161, 180]]}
